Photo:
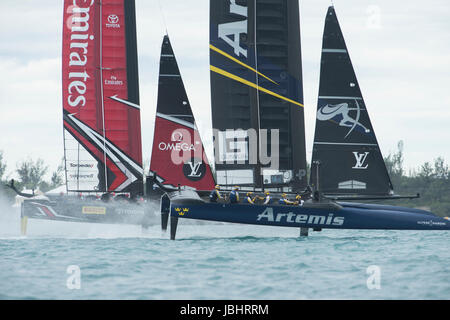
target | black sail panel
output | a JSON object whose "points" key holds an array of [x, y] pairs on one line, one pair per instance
{"points": [[232, 62], [256, 86], [279, 57], [172, 97], [345, 144]]}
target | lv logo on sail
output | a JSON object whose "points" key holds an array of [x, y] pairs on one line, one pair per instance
{"points": [[360, 159], [194, 168]]}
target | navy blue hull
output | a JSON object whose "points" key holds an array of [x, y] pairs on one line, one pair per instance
{"points": [[341, 216]]}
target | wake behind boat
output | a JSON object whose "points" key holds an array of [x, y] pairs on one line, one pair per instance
{"points": [[256, 84]]}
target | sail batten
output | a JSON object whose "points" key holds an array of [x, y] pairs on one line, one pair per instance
{"points": [[345, 146]]}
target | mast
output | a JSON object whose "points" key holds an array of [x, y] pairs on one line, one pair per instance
{"points": [[102, 136], [178, 155], [257, 174], [257, 94], [345, 144]]}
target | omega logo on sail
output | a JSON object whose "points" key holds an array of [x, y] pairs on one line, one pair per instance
{"points": [[177, 144], [78, 23]]}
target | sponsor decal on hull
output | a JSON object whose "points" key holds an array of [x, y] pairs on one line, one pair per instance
{"points": [[182, 211], [47, 212], [431, 223], [268, 215], [128, 212], [93, 210]]}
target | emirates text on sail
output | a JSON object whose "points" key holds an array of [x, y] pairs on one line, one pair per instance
{"points": [[78, 23]]}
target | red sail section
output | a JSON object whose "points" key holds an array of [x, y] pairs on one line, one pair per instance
{"points": [[178, 156], [122, 121], [102, 128], [81, 61], [81, 91]]}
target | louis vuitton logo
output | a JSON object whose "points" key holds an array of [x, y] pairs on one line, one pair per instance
{"points": [[360, 160], [194, 166]]}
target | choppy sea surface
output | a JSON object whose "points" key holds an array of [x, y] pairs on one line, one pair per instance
{"points": [[60, 260]]}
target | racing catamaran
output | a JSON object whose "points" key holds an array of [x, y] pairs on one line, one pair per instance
{"points": [[101, 116], [256, 85], [102, 129]]}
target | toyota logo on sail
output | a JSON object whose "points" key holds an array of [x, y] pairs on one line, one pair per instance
{"points": [[112, 18]]}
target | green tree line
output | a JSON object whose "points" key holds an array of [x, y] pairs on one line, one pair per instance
{"points": [[31, 175], [431, 180]]}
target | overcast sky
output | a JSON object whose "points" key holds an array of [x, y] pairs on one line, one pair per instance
{"points": [[400, 51]]}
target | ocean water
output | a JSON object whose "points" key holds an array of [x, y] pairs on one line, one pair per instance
{"points": [[60, 260]]}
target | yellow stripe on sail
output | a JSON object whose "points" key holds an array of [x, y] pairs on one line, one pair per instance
{"points": [[251, 84], [241, 63]]}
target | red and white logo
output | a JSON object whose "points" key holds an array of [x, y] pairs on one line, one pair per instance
{"points": [[112, 18], [177, 136], [113, 21], [77, 52]]}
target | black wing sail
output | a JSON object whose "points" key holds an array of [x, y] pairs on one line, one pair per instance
{"points": [[256, 91], [345, 144]]}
